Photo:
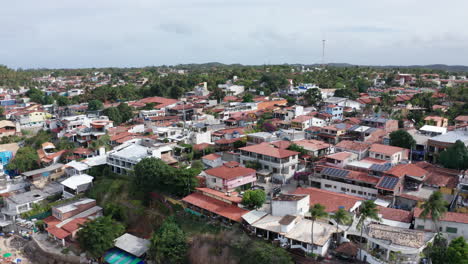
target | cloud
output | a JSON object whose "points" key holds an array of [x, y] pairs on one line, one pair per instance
{"points": [[55, 33]]}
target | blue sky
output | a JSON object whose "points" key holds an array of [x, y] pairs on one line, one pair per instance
{"points": [[97, 33]]}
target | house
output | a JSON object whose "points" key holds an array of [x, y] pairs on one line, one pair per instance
{"points": [[439, 143], [389, 125], [41, 177], [8, 128], [386, 241], [229, 177], [288, 225], [290, 204], [461, 120], [212, 203], [212, 160], [335, 111], [123, 158], [452, 224], [67, 218], [303, 122], [48, 154], [361, 149], [437, 121], [76, 184], [129, 248], [340, 159], [315, 148], [23, 202], [388, 153], [260, 137], [333, 134], [7, 152], [331, 200], [432, 131], [281, 163]]}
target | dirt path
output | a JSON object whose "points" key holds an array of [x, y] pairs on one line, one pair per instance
{"points": [[14, 246]]}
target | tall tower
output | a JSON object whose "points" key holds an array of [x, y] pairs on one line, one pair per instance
{"points": [[323, 52]]}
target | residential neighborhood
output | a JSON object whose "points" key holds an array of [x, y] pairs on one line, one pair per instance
{"points": [[309, 174]]}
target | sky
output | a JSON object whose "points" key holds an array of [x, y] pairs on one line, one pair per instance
{"points": [[134, 33]]}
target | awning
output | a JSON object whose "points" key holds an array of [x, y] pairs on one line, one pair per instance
{"points": [[264, 172], [5, 223]]}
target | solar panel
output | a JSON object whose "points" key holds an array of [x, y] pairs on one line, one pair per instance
{"points": [[335, 172], [388, 182], [381, 167]]}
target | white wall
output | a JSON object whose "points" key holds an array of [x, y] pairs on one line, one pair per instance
{"points": [[282, 208], [462, 229]]}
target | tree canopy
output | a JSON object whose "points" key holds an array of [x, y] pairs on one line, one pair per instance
{"points": [[455, 156], [435, 207], [168, 244], [97, 236], [95, 105], [26, 159], [313, 96], [403, 139], [254, 199]]}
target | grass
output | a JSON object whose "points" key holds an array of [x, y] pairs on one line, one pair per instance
{"points": [[195, 225]]}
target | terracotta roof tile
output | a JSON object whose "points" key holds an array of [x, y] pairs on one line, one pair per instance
{"points": [[215, 206], [228, 173], [269, 150], [331, 200]]}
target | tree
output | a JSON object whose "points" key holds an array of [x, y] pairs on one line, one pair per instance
{"points": [[168, 244], [113, 114], [435, 206], [62, 100], [26, 159], [316, 212], [455, 156], [2, 112], [313, 96], [457, 251], [126, 112], [437, 250], [259, 252], [341, 217], [346, 93], [247, 98], [403, 139], [218, 94], [97, 236], [367, 210], [298, 148], [95, 105], [254, 199], [196, 164], [240, 143]]}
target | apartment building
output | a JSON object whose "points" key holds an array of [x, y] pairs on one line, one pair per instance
{"points": [[280, 163]]}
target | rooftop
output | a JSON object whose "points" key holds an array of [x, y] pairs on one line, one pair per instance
{"points": [[76, 180], [132, 244], [215, 206], [331, 200], [269, 150], [229, 173], [385, 149]]}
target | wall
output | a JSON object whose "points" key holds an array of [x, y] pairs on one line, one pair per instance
{"points": [[282, 208], [462, 229], [370, 192]]}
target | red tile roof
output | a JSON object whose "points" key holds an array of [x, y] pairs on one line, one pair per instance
{"points": [[401, 170], [385, 149], [339, 156], [233, 197], [51, 221], [331, 200], [312, 144], [448, 216], [58, 232], [212, 156], [462, 118], [440, 177], [229, 173], [215, 206], [282, 144], [395, 214], [302, 118], [74, 225], [269, 150]]}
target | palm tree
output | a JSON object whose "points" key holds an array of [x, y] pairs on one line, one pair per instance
{"points": [[316, 212], [435, 206], [341, 217], [367, 210]]}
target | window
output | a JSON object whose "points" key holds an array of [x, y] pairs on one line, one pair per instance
{"points": [[343, 189], [353, 191], [359, 192], [420, 227], [328, 186], [451, 230]]}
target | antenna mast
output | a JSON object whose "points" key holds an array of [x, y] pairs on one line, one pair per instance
{"points": [[323, 52]]}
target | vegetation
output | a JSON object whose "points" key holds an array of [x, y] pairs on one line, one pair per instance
{"points": [[341, 217], [26, 159], [254, 199], [152, 174], [367, 210], [298, 148], [440, 252], [95, 105], [435, 207], [168, 244], [97, 236], [455, 156], [316, 212], [403, 139], [313, 96]]}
